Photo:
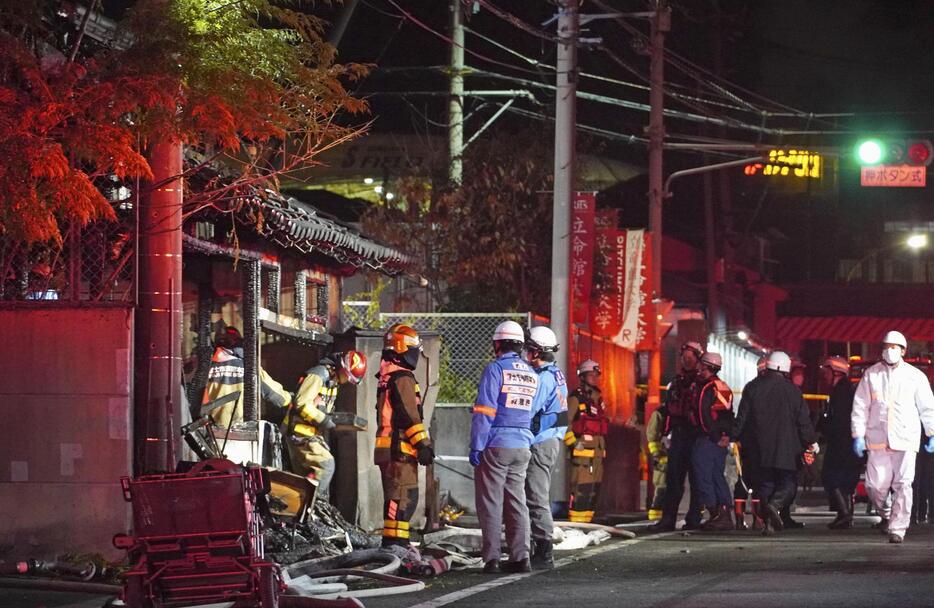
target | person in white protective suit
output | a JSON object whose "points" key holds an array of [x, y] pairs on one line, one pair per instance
{"points": [[893, 401]]}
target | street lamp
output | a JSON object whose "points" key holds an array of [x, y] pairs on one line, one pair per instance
{"points": [[917, 241]]}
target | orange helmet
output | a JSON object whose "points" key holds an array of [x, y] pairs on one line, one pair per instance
{"points": [[400, 338], [402, 344], [353, 364]]}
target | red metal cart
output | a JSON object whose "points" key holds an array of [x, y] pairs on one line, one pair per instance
{"points": [[198, 539]]}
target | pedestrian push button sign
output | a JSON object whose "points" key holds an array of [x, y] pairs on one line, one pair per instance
{"points": [[890, 176]]}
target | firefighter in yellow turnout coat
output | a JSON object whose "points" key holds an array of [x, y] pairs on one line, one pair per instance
{"points": [[226, 378], [402, 441], [310, 416], [586, 441]]}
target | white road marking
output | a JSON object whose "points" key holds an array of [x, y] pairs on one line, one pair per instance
{"points": [[456, 596]]}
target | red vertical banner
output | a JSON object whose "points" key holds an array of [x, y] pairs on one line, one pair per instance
{"points": [[583, 211]]}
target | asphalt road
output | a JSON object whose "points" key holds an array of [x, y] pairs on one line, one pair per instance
{"points": [[798, 569]]}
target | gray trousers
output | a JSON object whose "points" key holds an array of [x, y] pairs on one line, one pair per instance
{"points": [[538, 487], [499, 484]]}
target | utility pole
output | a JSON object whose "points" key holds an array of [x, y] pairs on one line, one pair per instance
{"points": [[456, 102], [565, 160], [340, 26], [158, 360], [661, 23]]}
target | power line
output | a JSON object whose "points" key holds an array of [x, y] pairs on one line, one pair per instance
{"points": [[451, 42], [635, 139], [693, 69], [519, 23], [607, 79], [632, 105]]}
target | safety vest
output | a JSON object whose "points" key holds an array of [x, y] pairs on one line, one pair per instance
{"points": [[681, 395], [714, 402], [400, 427], [590, 418]]}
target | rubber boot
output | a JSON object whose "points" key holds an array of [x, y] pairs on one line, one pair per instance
{"points": [[739, 506], [882, 526], [491, 567], [721, 521], [662, 525], [542, 555], [842, 503], [771, 514], [522, 565]]}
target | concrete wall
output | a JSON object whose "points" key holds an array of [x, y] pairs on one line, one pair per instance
{"points": [[451, 432], [66, 420]]}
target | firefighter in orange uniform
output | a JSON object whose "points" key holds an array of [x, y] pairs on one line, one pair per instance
{"points": [[402, 441], [586, 441]]}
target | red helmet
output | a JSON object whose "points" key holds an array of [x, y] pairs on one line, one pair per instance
{"points": [[353, 364]]}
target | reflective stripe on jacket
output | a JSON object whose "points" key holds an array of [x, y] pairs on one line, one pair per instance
{"points": [[588, 414], [400, 420], [314, 401]]}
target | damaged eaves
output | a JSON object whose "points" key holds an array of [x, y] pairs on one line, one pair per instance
{"points": [[293, 224]]}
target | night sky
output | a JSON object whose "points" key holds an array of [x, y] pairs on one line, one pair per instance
{"points": [[868, 57]]}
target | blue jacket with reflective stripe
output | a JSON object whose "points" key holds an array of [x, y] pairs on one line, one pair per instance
{"points": [[505, 405], [552, 401]]}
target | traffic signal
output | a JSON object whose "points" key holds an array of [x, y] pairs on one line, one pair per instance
{"points": [[913, 152]]}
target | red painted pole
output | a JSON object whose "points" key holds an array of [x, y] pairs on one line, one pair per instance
{"points": [[157, 358]]}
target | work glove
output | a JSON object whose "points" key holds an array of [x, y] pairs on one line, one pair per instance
{"points": [[327, 424], [475, 457], [426, 455], [929, 446], [859, 446], [536, 424]]}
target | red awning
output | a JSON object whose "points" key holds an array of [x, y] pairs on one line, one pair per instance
{"points": [[851, 329]]}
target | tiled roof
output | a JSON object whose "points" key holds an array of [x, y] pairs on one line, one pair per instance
{"points": [[296, 225]]}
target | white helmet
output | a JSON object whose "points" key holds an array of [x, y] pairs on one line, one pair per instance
{"points": [[713, 360], [895, 337], [779, 361], [543, 339], [509, 331], [588, 366]]}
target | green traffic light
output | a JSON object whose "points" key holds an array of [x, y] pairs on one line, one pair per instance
{"points": [[869, 152]]}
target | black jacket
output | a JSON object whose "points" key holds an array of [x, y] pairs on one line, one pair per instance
{"points": [[681, 399], [835, 427], [774, 422]]}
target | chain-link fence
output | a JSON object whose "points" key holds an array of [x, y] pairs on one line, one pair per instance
{"points": [[93, 264], [465, 345]]}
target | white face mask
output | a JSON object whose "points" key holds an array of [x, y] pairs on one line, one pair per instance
{"points": [[892, 355]]}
